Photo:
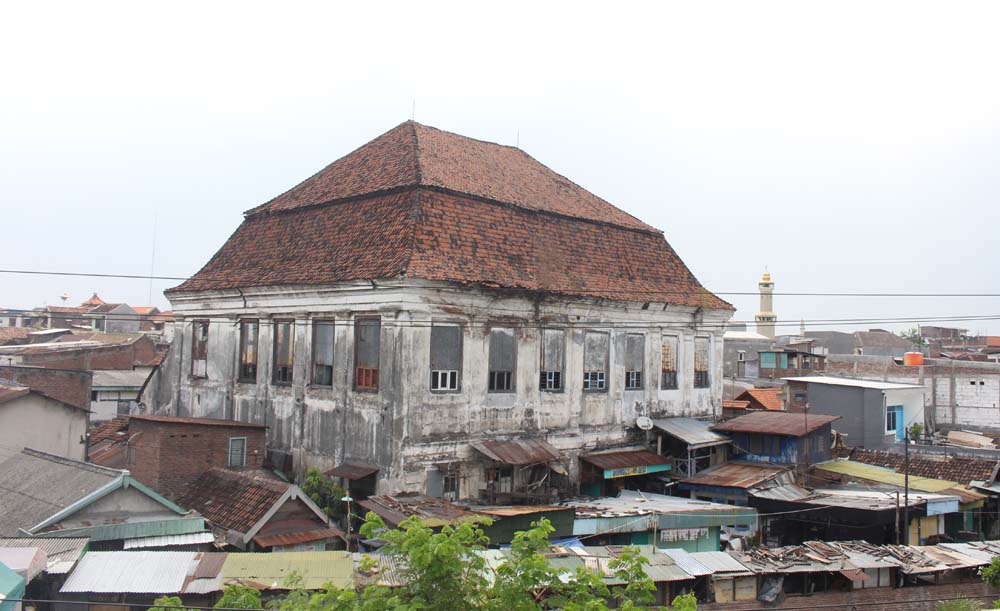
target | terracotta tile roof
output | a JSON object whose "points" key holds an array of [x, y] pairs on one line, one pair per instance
{"points": [[12, 334], [199, 421], [422, 203], [93, 301], [108, 431], [734, 404], [763, 398], [232, 500], [144, 310], [299, 537], [950, 468]]}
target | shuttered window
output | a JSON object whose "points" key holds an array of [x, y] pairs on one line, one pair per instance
{"points": [[284, 349], [322, 352], [553, 351], [635, 352], [502, 360], [595, 361], [446, 357], [367, 338], [237, 451], [249, 332], [199, 349], [668, 363], [701, 362]]}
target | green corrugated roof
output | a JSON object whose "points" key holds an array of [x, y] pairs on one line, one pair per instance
{"points": [[884, 475], [272, 569], [133, 530]]}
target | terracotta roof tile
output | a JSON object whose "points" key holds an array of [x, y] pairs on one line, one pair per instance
{"points": [[519, 227], [950, 468], [12, 334], [232, 500], [763, 398], [109, 431]]}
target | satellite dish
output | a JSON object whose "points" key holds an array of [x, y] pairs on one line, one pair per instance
{"points": [[644, 423]]}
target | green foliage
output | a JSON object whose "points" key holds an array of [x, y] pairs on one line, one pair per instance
{"points": [[964, 604], [239, 597], [916, 430], [324, 492], [913, 336], [167, 603], [991, 572], [445, 571]]}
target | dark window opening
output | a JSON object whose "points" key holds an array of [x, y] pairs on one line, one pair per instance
{"points": [[501, 360], [322, 350], [249, 330], [450, 486], [284, 350], [237, 451], [367, 338], [668, 363], [553, 351], [199, 349]]}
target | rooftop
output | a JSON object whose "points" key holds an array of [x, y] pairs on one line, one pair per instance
{"points": [[953, 468], [197, 421], [418, 202], [432, 511], [695, 433], [768, 398], [835, 381], [736, 475], [233, 500], [775, 423]]}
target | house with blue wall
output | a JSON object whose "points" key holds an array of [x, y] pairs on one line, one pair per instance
{"points": [[779, 438]]}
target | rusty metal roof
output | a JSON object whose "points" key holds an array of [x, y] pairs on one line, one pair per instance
{"points": [[433, 512], [352, 470], [736, 475], [626, 458], [517, 452], [775, 423], [299, 537]]}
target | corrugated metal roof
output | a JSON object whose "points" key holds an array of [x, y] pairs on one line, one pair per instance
{"points": [[295, 538], [775, 423], [507, 511], [884, 475], [386, 570], [735, 475], [270, 570], [352, 470], [130, 573], [721, 563], [134, 530], [517, 452], [170, 540], [693, 432], [625, 458], [686, 561], [61, 552]]}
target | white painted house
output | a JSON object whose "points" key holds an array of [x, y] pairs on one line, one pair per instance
{"points": [[428, 291]]}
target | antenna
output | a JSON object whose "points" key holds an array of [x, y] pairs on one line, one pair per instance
{"points": [[517, 139], [152, 262]]}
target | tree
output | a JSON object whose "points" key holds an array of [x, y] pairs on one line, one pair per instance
{"points": [[913, 336], [324, 492], [167, 603], [239, 597]]}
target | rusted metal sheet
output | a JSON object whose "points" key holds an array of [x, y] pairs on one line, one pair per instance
{"points": [[352, 471], [517, 452], [627, 458], [735, 475], [299, 537], [433, 512], [775, 423]]}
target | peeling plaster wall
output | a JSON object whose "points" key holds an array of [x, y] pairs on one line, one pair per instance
{"points": [[405, 428]]}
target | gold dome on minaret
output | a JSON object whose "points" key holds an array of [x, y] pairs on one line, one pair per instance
{"points": [[766, 277]]}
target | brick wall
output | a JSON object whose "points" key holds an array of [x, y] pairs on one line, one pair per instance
{"points": [[171, 454], [69, 385], [140, 352]]}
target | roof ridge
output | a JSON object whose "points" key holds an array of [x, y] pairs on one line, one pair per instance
{"points": [[74, 463]]}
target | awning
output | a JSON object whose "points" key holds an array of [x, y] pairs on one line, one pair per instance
{"points": [[693, 432], [517, 452], [627, 463], [296, 538], [855, 575], [352, 471]]}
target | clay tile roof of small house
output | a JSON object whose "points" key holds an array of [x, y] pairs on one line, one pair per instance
{"points": [[881, 338], [423, 203], [93, 301], [768, 398], [232, 500], [734, 404], [13, 333], [950, 468], [104, 308], [143, 310]]}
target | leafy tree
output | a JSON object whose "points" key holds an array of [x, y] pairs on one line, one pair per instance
{"points": [[913, 336], [167, 603], [685, 602], [916, 430], [324, 492], [239, 597]]}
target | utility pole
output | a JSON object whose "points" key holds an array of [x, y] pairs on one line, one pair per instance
{"points": [[906, 484], [897, 517]]}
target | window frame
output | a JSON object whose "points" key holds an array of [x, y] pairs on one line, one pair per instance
{"points": [[317, 323], [241, 377], [596, 380], [558, 374], [199, 348], [511, 385], [702, 377], [275, 380], [370, 374], [452, 377], [670, 379], [229, 455], [635, 385]]}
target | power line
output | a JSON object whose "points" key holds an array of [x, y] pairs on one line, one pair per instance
{"points": [[616, 291]]}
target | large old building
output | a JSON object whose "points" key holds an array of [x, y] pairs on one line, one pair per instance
{"points": [[429, 291]]}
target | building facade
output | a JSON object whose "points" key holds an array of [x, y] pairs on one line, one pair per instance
{"points": [[428, 291]]}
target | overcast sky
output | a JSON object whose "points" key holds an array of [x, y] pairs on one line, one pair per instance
{"points": [[847, 146]]}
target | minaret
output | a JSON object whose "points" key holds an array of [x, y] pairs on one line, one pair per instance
{"points": [[766, 317]]}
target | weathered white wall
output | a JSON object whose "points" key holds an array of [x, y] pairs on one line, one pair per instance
{"points": [[405, 428], [37, 422]]}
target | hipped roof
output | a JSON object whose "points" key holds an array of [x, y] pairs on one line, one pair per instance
{"points": [[418, 202]]}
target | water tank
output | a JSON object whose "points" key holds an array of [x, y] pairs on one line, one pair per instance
{"points": [[913, 359]]}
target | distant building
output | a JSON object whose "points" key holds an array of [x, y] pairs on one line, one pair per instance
{"points": [[766, 318], [834, 342], [877, 342], [871, 413], [30, 418], [740, 350], [784, 362]]}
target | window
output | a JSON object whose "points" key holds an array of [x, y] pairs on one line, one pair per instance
{"points": [[892, 418], [450, 485], [284, 350], [635, 352], [248, 351], [595, 362], [741, 356], [237, 451], [768, 360], [322, 352], [668, 363], [553, 349], [446, 357], [199, 349], [503, 350], [367, 337], [701, 356], [93, 395]]}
